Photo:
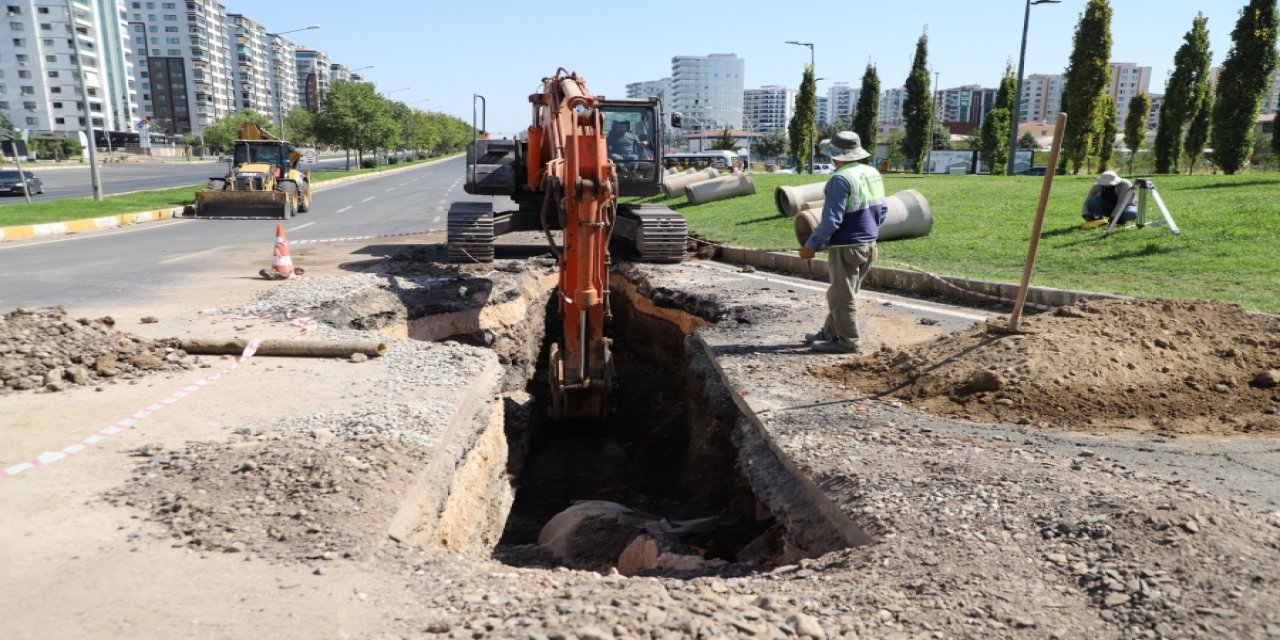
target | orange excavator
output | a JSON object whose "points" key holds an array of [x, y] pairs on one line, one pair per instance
{"points": [[581, 153]]}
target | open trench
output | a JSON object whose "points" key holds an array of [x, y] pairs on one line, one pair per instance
{"points": [[677, 478]]}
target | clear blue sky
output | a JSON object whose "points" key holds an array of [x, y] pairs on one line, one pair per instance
{"points": [[446, 51]]}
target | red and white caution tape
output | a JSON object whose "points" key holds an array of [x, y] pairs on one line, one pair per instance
{"points": [[351, 238], [50, 457]]}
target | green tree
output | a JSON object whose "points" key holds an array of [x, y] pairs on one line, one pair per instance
{"points": [[7, 130], [917, 107], [1198, 132], [223, 133], [1028, 141], [1183, 94], [772, 145], [1246, 74], [1086, 79], [896, 143], [355, 117], [1135, 125], [804, 123], [994, 135], [725, 142], [1107, 137], [941, 135], [866, 118], [299, 126]]}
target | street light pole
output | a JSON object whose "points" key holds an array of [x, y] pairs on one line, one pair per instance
{"points": [[94, 178], [1017, 98], [813, 130]]}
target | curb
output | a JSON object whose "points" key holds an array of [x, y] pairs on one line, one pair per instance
{"points": [[49, 229], [909, 280]]}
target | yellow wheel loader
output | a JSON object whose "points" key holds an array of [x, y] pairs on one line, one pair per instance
{"points": [[263, 181]]}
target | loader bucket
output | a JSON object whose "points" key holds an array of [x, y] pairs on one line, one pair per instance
{"points": [[244, 205]]}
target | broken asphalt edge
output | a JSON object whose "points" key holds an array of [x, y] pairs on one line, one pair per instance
{"points": [[50, 229]]}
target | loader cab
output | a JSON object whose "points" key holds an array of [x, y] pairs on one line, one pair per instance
{"points": [[273, 153], [633, 138]]}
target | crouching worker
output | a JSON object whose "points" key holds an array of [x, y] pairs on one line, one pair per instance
{"points": [[1110, 195]]}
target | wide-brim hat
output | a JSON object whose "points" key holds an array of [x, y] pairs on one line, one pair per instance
{"points": [[845, 146], [1108, 179]]}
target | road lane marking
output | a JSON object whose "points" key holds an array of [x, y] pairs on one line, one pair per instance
{"points": [[345, 209], [187, 256], [35, 242], [436, 219], [404, 184], [368, 199], [388, 189], [302, 226]]}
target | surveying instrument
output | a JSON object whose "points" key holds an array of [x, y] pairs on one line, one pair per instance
{"points": [[1145, 186]]}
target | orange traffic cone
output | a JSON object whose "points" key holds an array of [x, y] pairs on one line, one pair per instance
{"points": [[281, 261]]}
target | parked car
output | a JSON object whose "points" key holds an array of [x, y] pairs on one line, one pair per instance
{"points": [[822, 167], [1038, 171], [10, 183]]}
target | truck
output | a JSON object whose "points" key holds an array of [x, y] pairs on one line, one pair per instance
{"points": [[262, 181]]}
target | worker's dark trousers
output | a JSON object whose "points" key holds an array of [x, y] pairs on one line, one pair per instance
{"points": [[849, 266]]}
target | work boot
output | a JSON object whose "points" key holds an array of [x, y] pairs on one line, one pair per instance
{"points": [[818, 336], [835, 346]]}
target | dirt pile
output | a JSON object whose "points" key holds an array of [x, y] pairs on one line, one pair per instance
{"points": [[293, 498], [43, 349], [1180, 367]]}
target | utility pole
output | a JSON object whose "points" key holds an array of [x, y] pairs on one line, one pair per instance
{"points": [[1017, 99], [94, 177]]}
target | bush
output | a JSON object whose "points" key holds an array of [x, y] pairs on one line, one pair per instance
{"points": [[393, 160], [369, 163]]}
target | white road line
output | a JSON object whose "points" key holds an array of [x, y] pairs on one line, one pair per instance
{"points": [[404, 184], [187, 256], [133, 228], [388, 189], [344, 209], [436, 219], [368, 199], [302, 226], [897, 301]]}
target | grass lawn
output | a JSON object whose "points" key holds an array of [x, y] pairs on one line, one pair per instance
{"points": [[46, 211], [1229, 249]]}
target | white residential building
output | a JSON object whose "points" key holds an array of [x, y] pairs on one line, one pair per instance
{"points": [[1127, 81], [1041, 98], [707, 90], [768, 108], [251, 48], [186, 75], [1271, 101], [313, 69], [891, 101], [284, 76], [1153, 118], [660, 89], [824, 111], [842, 101], [39, 80]]}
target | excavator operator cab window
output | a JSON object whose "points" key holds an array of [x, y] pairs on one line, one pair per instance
{"points": [[630, 141]]}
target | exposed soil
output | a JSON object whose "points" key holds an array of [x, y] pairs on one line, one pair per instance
{"points": [[42, 349], [1180, 367]]}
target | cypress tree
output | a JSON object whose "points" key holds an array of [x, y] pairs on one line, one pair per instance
{"points": [[1198, 132], [805, 121], [1246, 73], [866, 119], [1086, 78], [1183, 94], [917, 108], [993, 139], [1107, 135], [1135, 126]]}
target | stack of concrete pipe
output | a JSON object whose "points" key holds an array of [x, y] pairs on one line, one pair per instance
{"points": [[731, 186], [674, 186], [909, 216]]}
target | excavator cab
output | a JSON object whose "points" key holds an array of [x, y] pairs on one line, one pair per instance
{"points": [[633, 143]]}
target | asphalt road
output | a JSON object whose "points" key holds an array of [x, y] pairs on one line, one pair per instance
{"points": [[134, 264], [73, 181]]}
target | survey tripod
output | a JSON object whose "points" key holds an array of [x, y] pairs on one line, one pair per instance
{"points": [[1145, 186]]}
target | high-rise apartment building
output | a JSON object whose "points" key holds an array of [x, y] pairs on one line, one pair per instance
{"points": [[842, 101], [252, 58], [284, 76], [660, 89], [1127, 81], [1153, 117], [43, 46], [187, 77], [707, 90], [1041, 98], [768, 108], [823, 106], [962, 109], [313, 69], [891, 101]]}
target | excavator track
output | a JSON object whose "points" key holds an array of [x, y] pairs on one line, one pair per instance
{"points": [[471, 232], [656, 233]]}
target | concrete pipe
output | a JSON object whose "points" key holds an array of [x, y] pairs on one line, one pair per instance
{"points": [[909, 216], [674, 186], [296, 348], [720, 188], [790, 199]]}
